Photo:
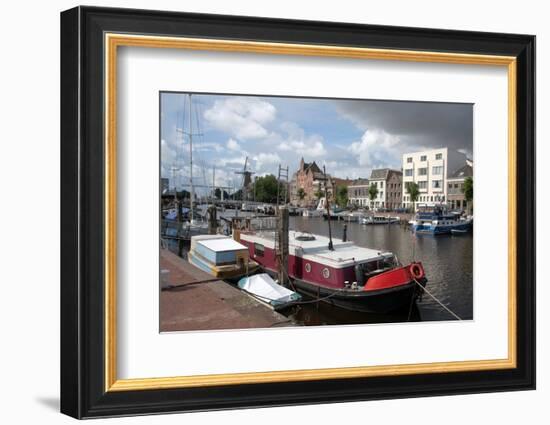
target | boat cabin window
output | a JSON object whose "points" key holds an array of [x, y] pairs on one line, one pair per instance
{"points": [[259, 250], [371, 267], [388, 262], [379, 264]]}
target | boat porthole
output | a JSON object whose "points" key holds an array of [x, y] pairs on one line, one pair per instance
{"points": [[308, 267], [326, 273]]}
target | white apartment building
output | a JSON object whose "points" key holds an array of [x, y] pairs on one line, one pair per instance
{"points": [[430, 170]]}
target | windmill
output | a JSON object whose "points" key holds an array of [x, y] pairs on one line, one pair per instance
{"points": [[247, 180]]}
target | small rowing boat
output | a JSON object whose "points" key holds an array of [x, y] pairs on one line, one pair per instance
{"points": [[263, 288]]}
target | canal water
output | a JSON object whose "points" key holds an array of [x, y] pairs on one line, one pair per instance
{"points": [[447, 260]]}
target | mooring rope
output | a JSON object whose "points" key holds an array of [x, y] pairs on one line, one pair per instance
{"points": [[436, 300]]}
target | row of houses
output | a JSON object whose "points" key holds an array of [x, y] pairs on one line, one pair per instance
{"points": [[439, 174]]}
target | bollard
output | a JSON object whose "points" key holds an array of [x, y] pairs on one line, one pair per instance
{"points": [[345, 235]]}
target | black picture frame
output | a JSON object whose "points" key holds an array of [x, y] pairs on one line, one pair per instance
{"points": [[83, 392]]}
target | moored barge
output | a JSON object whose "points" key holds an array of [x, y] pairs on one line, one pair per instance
{"points": [[348, 276]]}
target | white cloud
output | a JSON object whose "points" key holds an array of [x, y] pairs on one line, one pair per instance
{"points": [[168, 155], [233, 145], [376, 149], [207, 146], [236, 162], [243, 117], [263, 159], [297, 141]]}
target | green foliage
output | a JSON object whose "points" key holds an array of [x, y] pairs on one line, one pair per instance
{"points": [[468, 189], [413, 191], [218, 194], [237, 195], [184, 194], [342, 196], [319, 194], [301, 193], [266, 189], [373, 192]]}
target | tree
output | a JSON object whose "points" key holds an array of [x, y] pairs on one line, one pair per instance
{"points": [[183, 194], [218, 194], [301, 193], [266, 189], [319, 194], [373, 193], [413, 192], [468, 190], [342, 196]]}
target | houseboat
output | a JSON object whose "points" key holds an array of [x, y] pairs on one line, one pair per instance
{"points": [[221, 256], [341, 273], [439, 222], [379, 219]]}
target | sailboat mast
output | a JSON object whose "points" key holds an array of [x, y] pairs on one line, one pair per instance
{"points": [[330, 246], [192, 191]]}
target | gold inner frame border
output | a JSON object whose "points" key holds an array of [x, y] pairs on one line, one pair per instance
{"points": [[113, 40]]}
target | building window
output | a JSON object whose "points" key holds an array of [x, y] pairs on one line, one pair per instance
{"points": [[437, 171], [409, 172], [381, 185], [409, 159], [437, 184], [422, 171], [438, 156], [423, 185], [423, 158]]}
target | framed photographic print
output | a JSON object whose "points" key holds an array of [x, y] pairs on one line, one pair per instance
{"points": [[261, 212]]}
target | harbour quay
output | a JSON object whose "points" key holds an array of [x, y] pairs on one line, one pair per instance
{"points": [[191, 299]]}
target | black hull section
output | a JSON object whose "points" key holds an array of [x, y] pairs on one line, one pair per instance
{"points": [[380, 301], [388, 300]]}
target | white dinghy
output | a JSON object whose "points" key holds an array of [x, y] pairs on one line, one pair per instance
{"points": [[264, 288]]}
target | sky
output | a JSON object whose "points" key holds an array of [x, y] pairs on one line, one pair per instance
{"points": [[349, 137]]}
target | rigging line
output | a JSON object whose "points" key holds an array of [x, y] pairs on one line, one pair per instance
{"points": [[198, 112], [200, 135], [180, 147], [436, 300]]}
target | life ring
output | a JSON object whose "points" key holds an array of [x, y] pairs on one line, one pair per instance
{"points": [[416, 271]]}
